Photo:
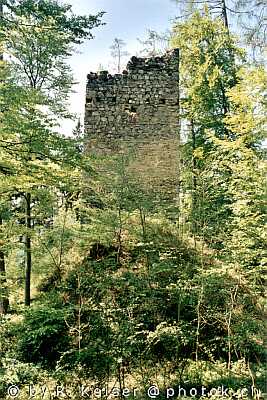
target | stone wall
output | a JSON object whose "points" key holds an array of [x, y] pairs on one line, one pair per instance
{"points": [[140, 109]]}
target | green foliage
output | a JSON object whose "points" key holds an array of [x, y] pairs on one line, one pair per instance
{"points": [[35, 159], [122, 292], [207, 70], [245, 18], [40, 35], [239, 157], [14, 372], [42, 336]]}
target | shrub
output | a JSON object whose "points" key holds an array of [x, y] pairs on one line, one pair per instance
{"points": [[14, 372], [43, 336]]}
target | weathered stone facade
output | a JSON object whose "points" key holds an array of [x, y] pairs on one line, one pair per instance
{"points": [[137, 108]]}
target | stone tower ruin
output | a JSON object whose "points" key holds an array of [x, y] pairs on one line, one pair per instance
{"points": [[139, 109]]}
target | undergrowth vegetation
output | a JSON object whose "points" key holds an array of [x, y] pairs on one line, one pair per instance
{"points": [[113, 284]]}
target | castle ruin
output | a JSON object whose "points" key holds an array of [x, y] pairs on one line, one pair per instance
{"points": [[139, 109]]}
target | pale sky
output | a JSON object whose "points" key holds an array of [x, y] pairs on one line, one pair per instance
{"points": [[125, 19]]}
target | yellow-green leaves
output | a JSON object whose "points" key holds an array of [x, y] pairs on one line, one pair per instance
{"points": [[247, 118]]}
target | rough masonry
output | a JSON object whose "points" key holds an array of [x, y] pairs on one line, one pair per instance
{"points": [[138, 108]]}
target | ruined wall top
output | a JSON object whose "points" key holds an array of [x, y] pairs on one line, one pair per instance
{"points": [[168, 63], [140, 103]]}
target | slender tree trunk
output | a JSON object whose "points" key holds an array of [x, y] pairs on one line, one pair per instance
{"points": [[179, 151], [28, 263], [144, 234], [119, 237], [179, 308], [1, 16], [233, 295], [193, 158], [198, 320], [194, 178], [80, 304], [225, 16], [119, 60], [4, 302]]}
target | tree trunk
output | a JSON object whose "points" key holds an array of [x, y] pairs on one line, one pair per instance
{"points": [[194, 178], [1, 16], [119, 59], [179, 152], [4, 302], [225, 16], [28, 261]]}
